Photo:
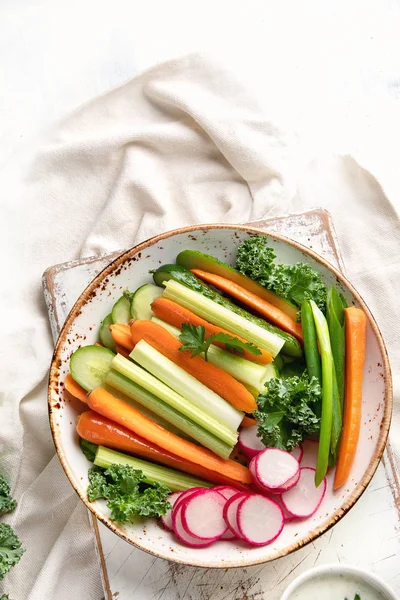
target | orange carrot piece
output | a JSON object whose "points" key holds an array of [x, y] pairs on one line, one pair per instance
{"points": [[176, 315], [356, 333], [121, 335], [122, 350], [212, 376], [124, 414], [75, 389], [248, 422], [259, 305], [99, 430]]}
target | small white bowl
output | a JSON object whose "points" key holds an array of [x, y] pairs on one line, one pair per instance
{"points": [[362, 575]]}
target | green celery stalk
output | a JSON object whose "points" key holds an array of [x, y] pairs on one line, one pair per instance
{"points": [[337, 420], [174, 480], [141, 377], [136, 393], [245, 371], [201, 404], [222, 317], [327, 393]]}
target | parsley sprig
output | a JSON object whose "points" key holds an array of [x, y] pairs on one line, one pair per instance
{"points": [[193, 338]]}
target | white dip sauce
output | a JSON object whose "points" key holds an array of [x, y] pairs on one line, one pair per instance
{"points": [[338, 586]]}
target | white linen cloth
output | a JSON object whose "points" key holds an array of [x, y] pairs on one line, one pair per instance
{"points": [[183, 143]]}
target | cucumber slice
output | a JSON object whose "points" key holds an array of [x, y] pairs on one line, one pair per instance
{"points": [[121, 311], [142, 299], [89, 366], [105, 334]]}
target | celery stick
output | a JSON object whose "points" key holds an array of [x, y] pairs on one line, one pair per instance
{"points": [[245, 371], [222, 317], [205, 406], [325, 433], [141, 377], [141, 396], [174, 480]]}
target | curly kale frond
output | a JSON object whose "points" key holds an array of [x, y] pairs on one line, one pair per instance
{"points": [[7, 503], [286, 411], [128, 495], [10, 549]]}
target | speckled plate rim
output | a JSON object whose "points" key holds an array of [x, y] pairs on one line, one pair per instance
{"points": [[388, 397]]}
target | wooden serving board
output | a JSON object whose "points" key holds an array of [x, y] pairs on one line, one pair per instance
{"points": [[368, 536]]}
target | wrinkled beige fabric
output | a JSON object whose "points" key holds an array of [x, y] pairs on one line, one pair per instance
{"points": [[183, 143]]}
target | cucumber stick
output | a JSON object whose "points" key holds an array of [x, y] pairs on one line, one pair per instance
{"points": [[225, 432], [178, 273], [223, 317], [141, 301], [89, 366], [164, 412], [174, 480], [245, 371], [105, 334], [121, 311]]}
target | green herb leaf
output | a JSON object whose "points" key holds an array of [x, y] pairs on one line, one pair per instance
{"points": [[286, 411], [256, 260], [7, 503], [127, 494], [5, 597], [88, 448], [192, 338], [10, 549]]}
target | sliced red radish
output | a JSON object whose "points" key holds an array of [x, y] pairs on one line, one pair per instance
{"points": [[181, 532], [226, 490], [249, 442], [304, 499], [310, 454], [166, 520], [230, 512], [286, 486], [273, 468], [286, 515], [297, 452], [260, 520], [202, 515], [185, 495]]}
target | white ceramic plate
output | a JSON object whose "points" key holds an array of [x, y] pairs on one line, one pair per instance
{"points": [[130, 271]]}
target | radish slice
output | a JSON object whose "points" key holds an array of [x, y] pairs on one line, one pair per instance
{"points": [[186, 495], [310, 454], [287, 486], [274, 468], [230, 513], [182, 534], [228, 535], [304, 499], [297, 453], [226, 490], [166, 520], [249, 442], [260, 520], [202, 515]]}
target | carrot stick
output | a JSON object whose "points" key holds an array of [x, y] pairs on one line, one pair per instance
{"points": [[176, 315], [121, 335], [74, 388], [355, 338], [122, 413], [101, 431], [261, 306], [248, 422], [122, 350], [212, 376]]}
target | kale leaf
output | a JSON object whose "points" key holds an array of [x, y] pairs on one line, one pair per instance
{"points": [[7, 503], [256, 259], [286, 411], [128, 495], [10, 549]]}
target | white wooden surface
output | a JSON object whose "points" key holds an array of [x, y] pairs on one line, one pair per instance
{"points": [[368, 536]]}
